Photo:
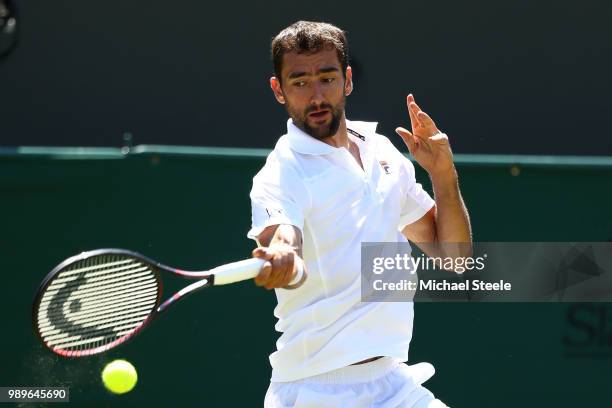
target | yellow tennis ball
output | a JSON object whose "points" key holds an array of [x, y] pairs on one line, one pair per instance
{"points": [[119, 376]]}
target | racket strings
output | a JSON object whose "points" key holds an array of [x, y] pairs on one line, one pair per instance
{"points": [[63, 337], [96, 301], [98, 283], [97, 274], [135, 307], [103, 289]]}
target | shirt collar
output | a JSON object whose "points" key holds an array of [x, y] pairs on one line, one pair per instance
{"points": [[302, 142]]}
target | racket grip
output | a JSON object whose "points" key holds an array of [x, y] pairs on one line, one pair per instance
{"points": [[247, 269], [237, 271]]}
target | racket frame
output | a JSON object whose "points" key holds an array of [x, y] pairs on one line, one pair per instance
{"points": [[157, 309]]}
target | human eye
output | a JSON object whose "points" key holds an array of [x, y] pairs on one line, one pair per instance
{"points": [[328, 80]]}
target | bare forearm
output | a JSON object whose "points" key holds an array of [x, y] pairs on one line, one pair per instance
{"points": [[451, 219]]}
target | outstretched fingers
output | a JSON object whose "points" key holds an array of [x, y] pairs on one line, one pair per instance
{"points": [[414, 121], [420, 117], [411, 141]]}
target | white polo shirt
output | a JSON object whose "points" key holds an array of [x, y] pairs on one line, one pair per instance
{"points": [[337, 205]]}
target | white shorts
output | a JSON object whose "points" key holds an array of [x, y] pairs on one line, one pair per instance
{"points": [[383, 383]]}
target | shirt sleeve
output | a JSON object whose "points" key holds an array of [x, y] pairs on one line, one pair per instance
{"points": [[278, 196], [416, 201]]}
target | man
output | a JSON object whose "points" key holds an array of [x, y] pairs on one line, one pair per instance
{"points": [[329, 185]]}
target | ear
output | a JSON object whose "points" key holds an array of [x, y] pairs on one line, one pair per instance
{"points": [[277, 90], [348, 83]]}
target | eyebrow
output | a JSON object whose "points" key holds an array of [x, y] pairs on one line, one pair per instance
{"points": [[323, 70]]}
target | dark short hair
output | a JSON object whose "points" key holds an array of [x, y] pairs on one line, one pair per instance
{"points": [[306, 37]]}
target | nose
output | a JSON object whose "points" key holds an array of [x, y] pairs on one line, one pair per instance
{"points": [[317, 97]]}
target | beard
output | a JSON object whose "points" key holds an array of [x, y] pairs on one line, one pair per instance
{"points": [[300, 119]]}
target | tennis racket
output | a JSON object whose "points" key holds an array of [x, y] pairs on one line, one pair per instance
{"points": [[97, 300]]}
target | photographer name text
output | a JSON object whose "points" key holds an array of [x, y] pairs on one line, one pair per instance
{"points": [[441, 285]]}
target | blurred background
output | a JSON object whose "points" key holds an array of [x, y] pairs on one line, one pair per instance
{"points": [[140, 125], [527, 77]]}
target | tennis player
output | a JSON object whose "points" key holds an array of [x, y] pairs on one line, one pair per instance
{"points": [[329, 185]]}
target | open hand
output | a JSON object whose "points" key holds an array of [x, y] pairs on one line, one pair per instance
{"points": [[429, 147]]}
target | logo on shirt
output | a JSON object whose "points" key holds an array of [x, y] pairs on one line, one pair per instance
{"points": [[386, 167], [273, 211], [354, 133]]}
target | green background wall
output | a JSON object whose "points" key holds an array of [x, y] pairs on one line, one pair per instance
{"points": [[190, 208]]}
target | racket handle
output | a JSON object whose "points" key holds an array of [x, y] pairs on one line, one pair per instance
{"points": [[247, 269], [237, 271]]}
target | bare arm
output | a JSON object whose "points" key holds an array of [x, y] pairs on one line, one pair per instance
{"points": [[281, 247], [448, 222]]}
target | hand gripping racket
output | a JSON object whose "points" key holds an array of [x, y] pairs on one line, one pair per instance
{"points": [[98, 300]]}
